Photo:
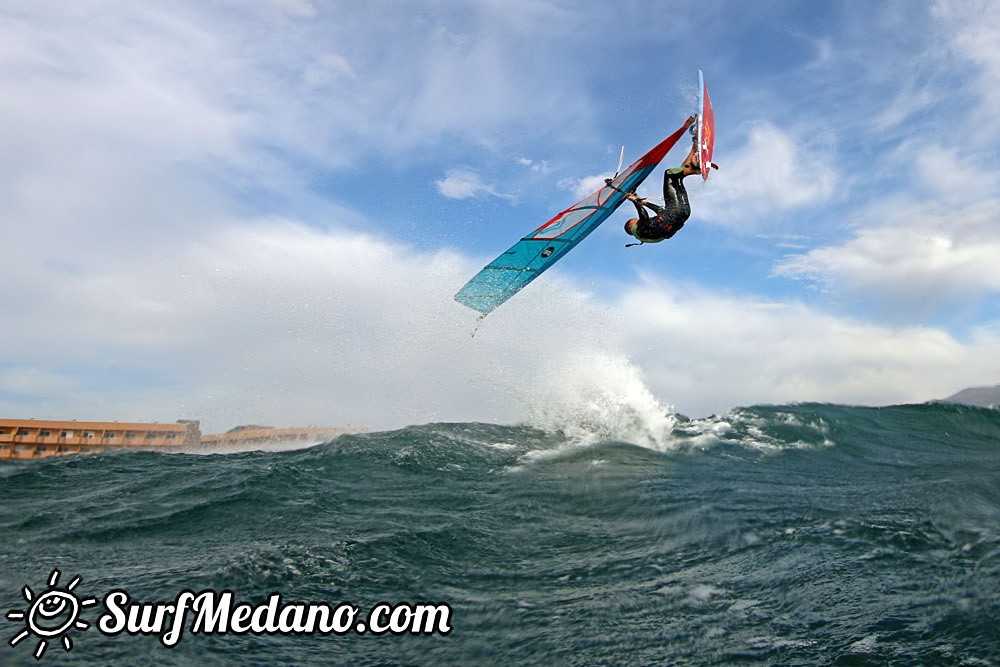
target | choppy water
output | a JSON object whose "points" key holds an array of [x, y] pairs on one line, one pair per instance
{"points": [[807, 534]]}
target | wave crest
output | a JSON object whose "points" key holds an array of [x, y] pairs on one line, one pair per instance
{"points": [[593, 397]]}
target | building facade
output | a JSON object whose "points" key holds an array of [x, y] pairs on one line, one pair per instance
{"points": [[38, 438], [35, 438]]}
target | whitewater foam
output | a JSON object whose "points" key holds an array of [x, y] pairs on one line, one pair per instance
{"points": [[592, 396]]}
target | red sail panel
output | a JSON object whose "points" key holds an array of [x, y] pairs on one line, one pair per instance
{"points": [[707, 132]]}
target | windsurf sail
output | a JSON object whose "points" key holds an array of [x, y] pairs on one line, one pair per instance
{"points": [[706, 128], [528, 258]]}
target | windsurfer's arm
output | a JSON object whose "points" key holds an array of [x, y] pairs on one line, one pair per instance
{"points": [[641, 205]]}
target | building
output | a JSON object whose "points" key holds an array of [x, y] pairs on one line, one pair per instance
{"points": [[37, 438], [265, 436]]}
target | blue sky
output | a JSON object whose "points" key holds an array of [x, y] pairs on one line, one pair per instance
{"points": [[260, 214]]}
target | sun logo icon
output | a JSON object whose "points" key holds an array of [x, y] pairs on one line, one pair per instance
{"points": [[51, 615]]}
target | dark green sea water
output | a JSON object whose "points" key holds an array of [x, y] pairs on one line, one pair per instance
{"points": [[807, 534]]}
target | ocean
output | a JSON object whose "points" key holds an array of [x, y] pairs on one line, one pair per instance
{"points": [[790, 535]]}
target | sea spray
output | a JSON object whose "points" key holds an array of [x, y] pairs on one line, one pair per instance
{"points": [[592, 396]]}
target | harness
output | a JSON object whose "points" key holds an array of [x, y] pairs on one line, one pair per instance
{"points": [[643, 241]]}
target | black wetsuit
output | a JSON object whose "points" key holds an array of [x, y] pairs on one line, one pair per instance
{"points": [[670, 217]]}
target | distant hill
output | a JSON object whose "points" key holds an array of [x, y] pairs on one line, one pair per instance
{"points": [[986, 397]]}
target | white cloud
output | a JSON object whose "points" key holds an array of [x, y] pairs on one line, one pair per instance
{"points": [[919, 221], [710, 352], [300, 8], [323, 83], [465, 183], [772, 173], [282, 324], [582, 187], [536, 167], [917, 250], [145, 284], [974, 30], [910, 263]]}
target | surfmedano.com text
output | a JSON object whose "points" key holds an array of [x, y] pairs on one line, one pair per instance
{"points": [[216, 613]]}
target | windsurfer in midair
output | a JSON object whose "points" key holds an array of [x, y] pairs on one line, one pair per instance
{"points": [[676, 209]]}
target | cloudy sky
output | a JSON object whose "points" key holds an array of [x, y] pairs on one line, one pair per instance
{"points": [[260, 212]]}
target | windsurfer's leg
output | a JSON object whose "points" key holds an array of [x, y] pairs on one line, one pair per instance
{"points": [[671, 178], [675, 195], [690, 165], [684, 205]]}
